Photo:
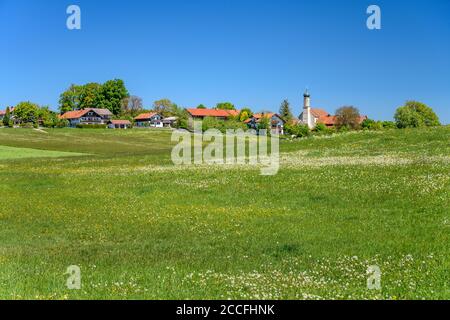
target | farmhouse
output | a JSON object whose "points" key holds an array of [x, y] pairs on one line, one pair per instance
{"points": [[151, 119], [87, 116], [119, 124], [275, 121], [313, 116], [169, 122]]}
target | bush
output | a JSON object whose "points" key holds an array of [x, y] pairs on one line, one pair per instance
{"points": [[322, 129], [222, 125], [389, 125], [27, 125], [297, 130], [91, 126]]}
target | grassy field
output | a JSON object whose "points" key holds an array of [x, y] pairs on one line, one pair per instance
{"points": [[141, 228]]}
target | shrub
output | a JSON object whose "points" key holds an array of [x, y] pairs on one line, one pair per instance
{"points": [[322, 129], [389, 125], [297, 130], [91, 126], [27, 125]]}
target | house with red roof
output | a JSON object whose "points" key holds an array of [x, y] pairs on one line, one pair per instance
{"points": [[200, 114], [119, 124], [149, 120], [87, 116], [275, 121]]}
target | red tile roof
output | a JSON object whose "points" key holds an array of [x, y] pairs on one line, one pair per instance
{"points": [[73, 114], [79, 113], [121, 122], [318, 113], [212, 113], [145, 116], [331, 120]]}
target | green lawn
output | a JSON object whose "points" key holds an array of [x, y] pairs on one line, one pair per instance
{"points": [[18, 153], [142, 228]]}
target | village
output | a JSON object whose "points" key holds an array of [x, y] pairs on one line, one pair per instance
{"points": [[98, 117]]}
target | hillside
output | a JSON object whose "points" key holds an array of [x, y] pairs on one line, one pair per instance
{"points": [[140, 227]]}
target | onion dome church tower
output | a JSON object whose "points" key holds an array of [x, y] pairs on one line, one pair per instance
{"points": [[307, 117]]}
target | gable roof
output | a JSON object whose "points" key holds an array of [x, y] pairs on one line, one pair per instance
{"points": [[121, 122], [212, 113], [145, 116], [259, 116], [331, 120], [316, 112], [79, 113]]}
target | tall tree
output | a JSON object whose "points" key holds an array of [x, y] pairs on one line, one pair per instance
{"points": [[91, 96], [131, 105], [285, 111], [70, 99], [348, 116], [7, 118], [415, 114], [112, 94], [164, 107]]}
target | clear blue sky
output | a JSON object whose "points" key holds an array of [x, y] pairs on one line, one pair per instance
{"points": [[250, 52]]}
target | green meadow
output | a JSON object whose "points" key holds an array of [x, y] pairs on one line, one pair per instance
{"points": [[112, 203]]}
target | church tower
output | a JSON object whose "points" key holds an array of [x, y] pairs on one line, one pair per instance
{"points": [[307, 117]]}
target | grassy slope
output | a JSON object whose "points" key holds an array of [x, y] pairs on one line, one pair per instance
{"points": [[140, 228], [7, 153]]}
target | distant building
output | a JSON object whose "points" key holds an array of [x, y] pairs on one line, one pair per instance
{"points": [[169, 122], [147, 120], [87, 116], [200, 114], [119, 124], [313, 116], [276, 122]]}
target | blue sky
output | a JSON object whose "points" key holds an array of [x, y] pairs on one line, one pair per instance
{"points": [[250, 52]]}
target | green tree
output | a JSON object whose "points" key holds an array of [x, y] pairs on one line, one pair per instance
{"points": [[415, 114], [112, 94], [91, 96], [27, 112], [285, 111], [201, 106], [70, 99], [246, 113], [225, 106], [7, 117], [347, 116]]}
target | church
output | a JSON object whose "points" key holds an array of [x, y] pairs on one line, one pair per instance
{"points": [[313, 116]]}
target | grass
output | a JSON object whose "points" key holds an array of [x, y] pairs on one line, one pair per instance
{"points": [[141, 228], [18, 153]]}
